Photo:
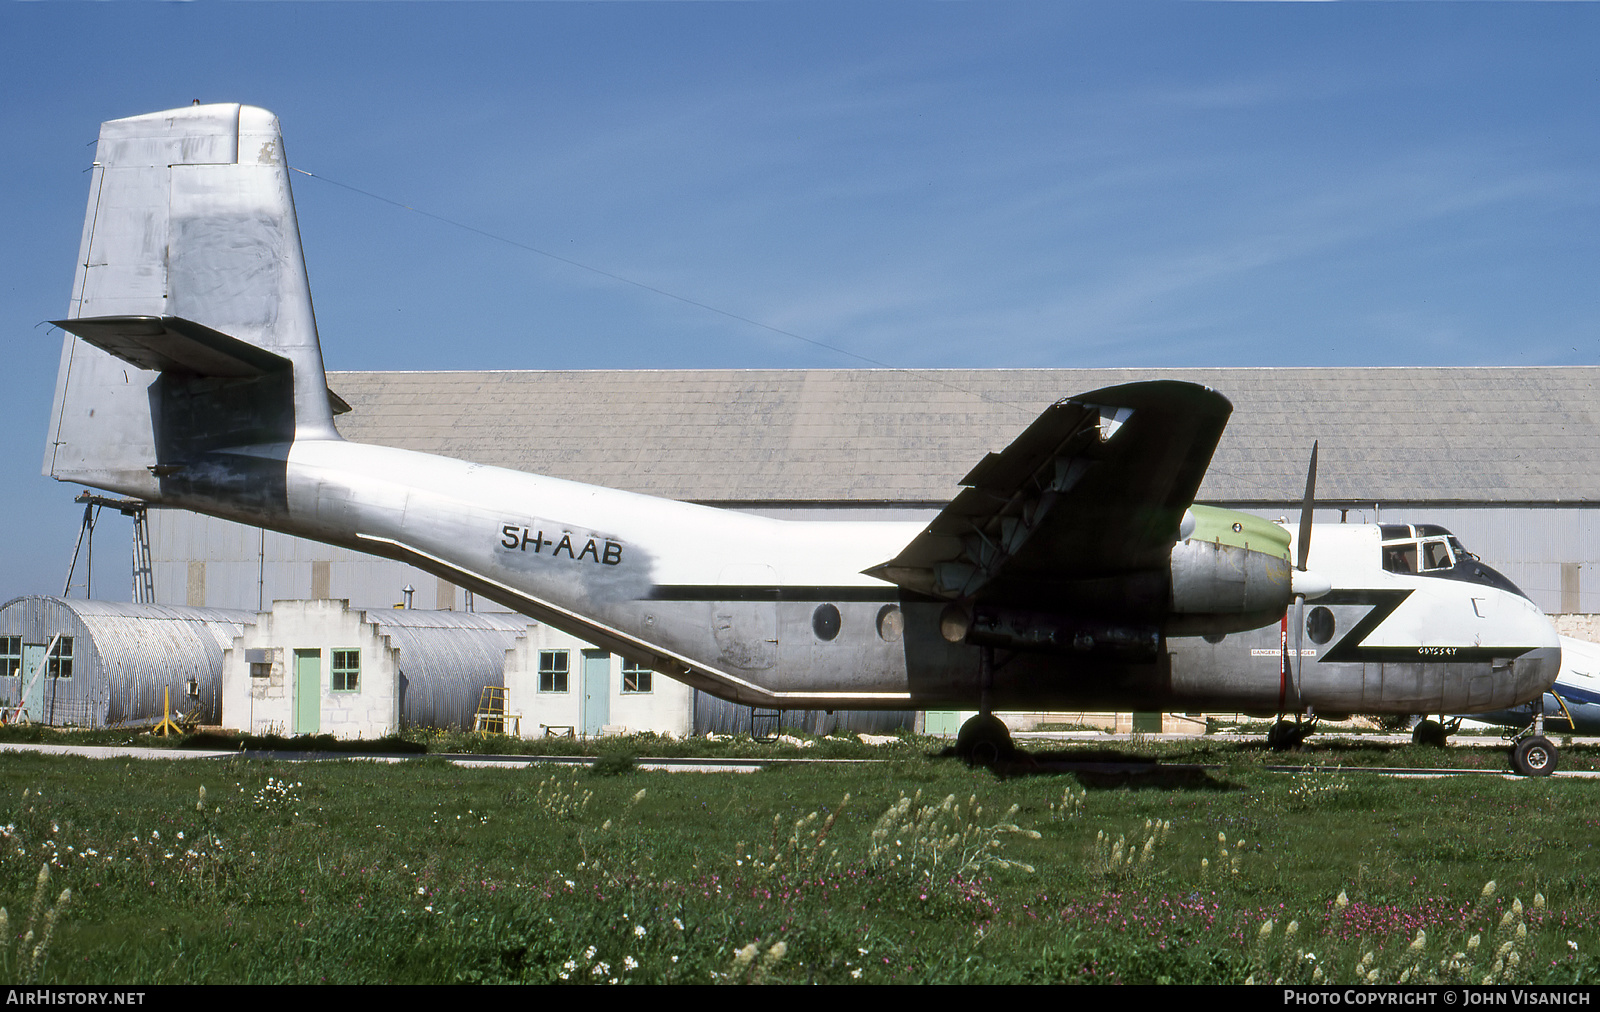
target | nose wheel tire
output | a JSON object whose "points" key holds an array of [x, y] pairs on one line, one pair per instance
{"points": [[1534, 757]]}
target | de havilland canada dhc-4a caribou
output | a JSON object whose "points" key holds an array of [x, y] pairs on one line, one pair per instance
{"points": [[1073, 571]]}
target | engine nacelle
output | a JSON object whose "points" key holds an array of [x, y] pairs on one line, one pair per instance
{"points": [[1232, 573]]}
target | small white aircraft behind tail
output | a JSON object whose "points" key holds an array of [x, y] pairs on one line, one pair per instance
{"points": [[1073, 572]]}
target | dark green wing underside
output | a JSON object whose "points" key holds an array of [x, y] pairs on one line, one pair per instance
{"points": [[1096, 487]]}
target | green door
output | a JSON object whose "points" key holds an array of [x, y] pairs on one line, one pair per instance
{"points": [[307, 691], [596, 691], [33, 695]]}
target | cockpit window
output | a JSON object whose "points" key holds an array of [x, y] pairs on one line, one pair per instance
{"points": [[1436, 555], [1430, 550], [1400, 558]]}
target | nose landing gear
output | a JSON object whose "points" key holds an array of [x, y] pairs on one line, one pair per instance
{"points": [[1532, 754]]}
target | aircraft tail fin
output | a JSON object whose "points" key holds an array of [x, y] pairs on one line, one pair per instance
{"points": [[191, 328]]}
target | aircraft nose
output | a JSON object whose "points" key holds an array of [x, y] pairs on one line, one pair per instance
{"points": [[1536, 671]]}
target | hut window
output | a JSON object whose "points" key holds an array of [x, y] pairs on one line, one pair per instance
{"points": [[10, 656], [61, 658], [635, 677], [346, 670], [552, 671]]}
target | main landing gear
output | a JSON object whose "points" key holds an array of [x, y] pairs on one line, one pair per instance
{"points": [[1290, 734], [984, 740], [1434, 733]]}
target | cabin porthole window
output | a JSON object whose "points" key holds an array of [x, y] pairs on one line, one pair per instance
{"points": [[1319, 625], [891, 623], [825, 621]]}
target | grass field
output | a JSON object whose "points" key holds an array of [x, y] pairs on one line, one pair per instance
{"points": [[912, 870]]}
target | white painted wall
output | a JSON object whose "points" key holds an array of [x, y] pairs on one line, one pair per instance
{"points": [[265, 705], [665, 709]]}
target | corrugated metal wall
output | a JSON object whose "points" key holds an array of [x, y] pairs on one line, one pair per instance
{"points": [[446, 659], [124, 656], [238, 575]]}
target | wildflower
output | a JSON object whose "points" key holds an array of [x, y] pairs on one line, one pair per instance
{"points": [[1572, 945], [638, 930], [677, 923], [589, 952], [856, 973], [629, 963]]}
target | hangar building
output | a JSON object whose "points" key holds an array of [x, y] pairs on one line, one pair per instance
{"points": [[1507, 458]]}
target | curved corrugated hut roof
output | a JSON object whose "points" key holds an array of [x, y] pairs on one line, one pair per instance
{"points": [[446, 658], [125, 654]]}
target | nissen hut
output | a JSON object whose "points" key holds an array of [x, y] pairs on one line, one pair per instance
{"points": [[108, 663]]}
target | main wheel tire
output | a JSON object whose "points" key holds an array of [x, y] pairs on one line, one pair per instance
{"points": [[984, 740], [1430, 733], [1534, 757]]}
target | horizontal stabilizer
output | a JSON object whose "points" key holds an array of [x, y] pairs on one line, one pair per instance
{"points": [[173, 344]]}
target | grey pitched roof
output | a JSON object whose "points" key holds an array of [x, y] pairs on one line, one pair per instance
{"points": [[1393, 435]]}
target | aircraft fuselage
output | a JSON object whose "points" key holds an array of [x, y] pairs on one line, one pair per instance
{"points": [[778, 613]]}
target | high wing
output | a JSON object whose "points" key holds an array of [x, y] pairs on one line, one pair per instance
{"points": [[1095, 488]]}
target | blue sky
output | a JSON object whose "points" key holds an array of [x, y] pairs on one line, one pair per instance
{"points": [[913, 184]]}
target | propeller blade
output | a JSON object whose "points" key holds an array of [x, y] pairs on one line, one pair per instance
{"points": [[1299, 644], [1306, 507]]}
